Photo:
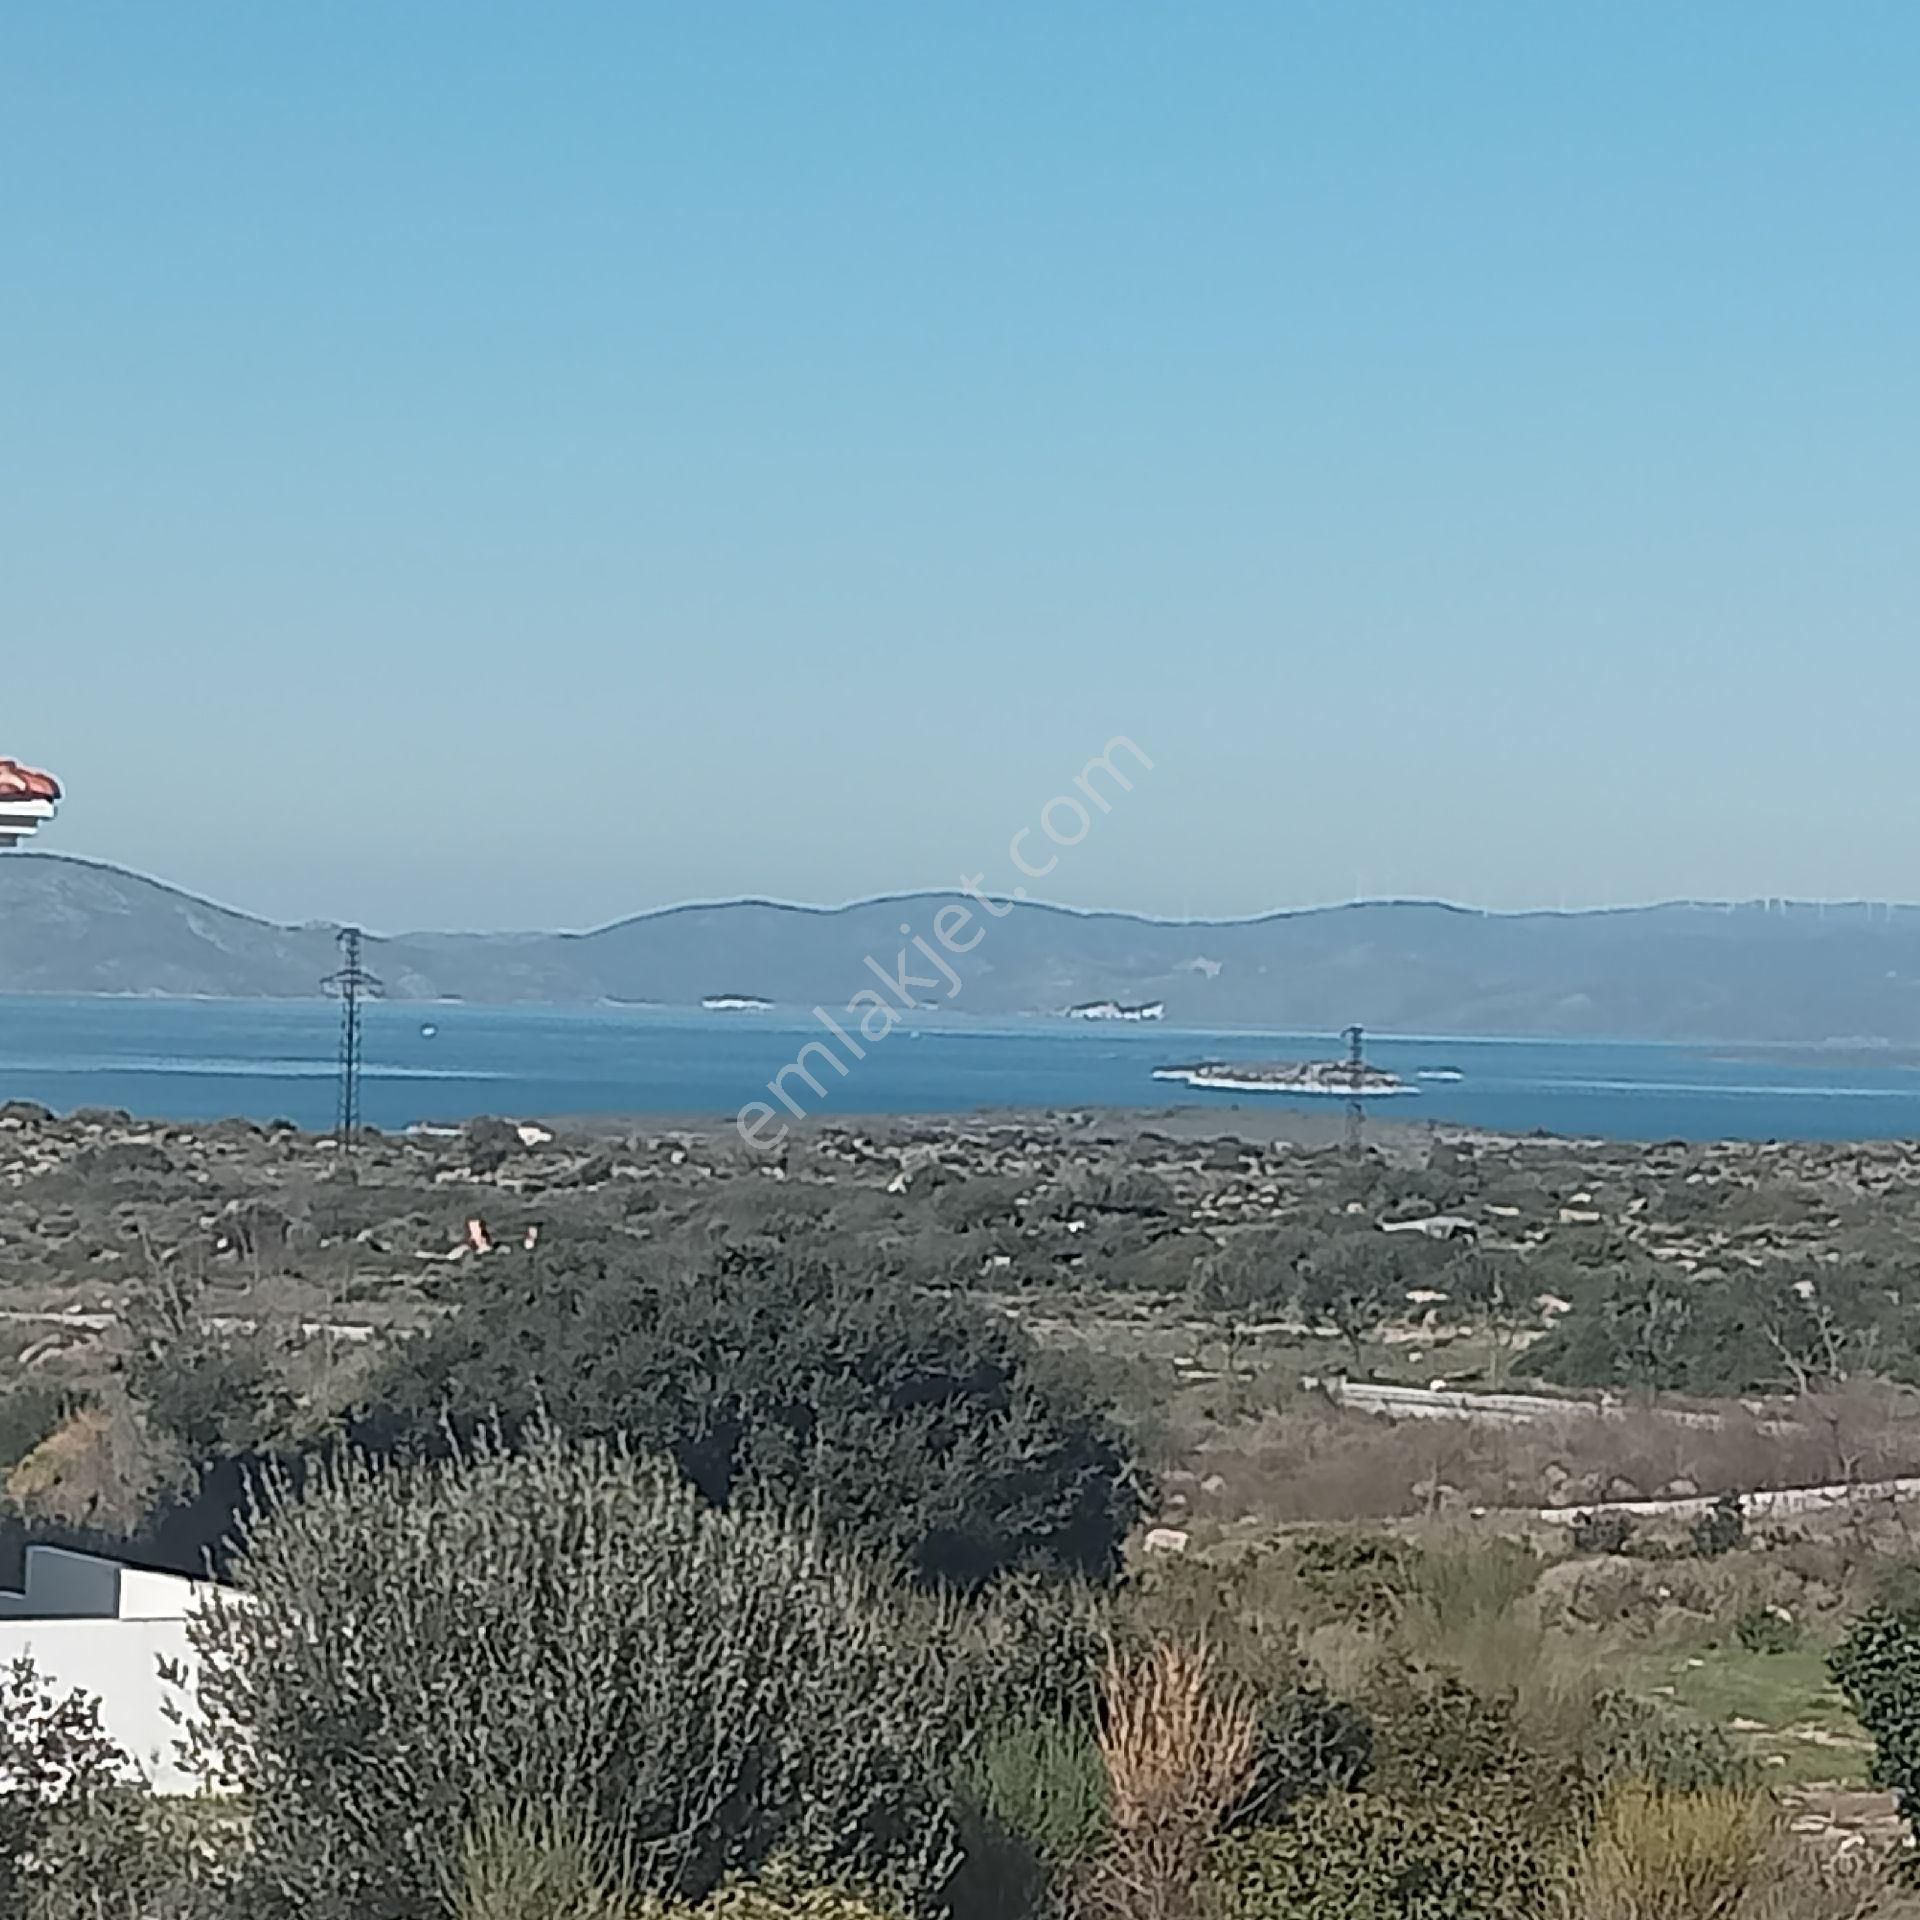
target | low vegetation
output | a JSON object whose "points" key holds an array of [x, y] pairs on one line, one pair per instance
{"points": [[946, 1524]]}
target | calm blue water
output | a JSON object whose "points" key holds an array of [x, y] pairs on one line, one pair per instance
{"points": [[191, 1060]]}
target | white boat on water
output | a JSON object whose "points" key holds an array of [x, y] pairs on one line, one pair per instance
{"points": [[1329, 1079], [1447, 1074]]}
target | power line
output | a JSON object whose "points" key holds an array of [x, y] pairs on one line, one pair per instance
{"points": [[351, 984]]}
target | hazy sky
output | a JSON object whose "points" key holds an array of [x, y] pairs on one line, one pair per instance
{"points": [[505, 465]]}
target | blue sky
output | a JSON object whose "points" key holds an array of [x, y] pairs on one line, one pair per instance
{"points": [[486, 465]]}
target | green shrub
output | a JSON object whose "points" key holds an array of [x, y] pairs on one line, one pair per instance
{"points": [[1894, 1586], [1366, 1577], [1762, 1629], [1604, 1531], [1463, 1585], [213, 1393], [571, 1627], [74, 1816], [1635, 1740], [1364, 1857], [1309, 1744], [1439, 1741], [543, 1864], [1721, 1529], [1434, 1739], [1030, 1648], [921, 1427], [1878, 1668], [1045, 1784]]}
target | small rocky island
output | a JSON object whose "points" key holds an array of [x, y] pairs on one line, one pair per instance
{"points": [[1340, 1079], [1118, 1010]]}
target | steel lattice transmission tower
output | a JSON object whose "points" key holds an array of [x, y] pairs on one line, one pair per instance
{"points": [[350, 985], [1356, 1039]]}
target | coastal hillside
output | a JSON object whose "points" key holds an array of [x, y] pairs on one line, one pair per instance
{"points": [[1680, 972]]}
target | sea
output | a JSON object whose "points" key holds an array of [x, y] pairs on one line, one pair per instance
{"points": [[424, 1063]]}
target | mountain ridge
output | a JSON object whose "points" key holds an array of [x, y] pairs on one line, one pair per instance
{"points": [[1673, 970]]}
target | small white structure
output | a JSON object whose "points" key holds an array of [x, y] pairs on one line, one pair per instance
{"points": [[28, 800], [22, 819], [1436, 1226], [93, 1625]]}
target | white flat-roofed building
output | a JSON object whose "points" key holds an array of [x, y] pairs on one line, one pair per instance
{"points": [[100, 1626], [22, 819]]}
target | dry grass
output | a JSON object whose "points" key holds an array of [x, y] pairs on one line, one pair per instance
{"points": [[1657, 1855], [97, 1469], [538, 1863], [1723, 1855], [1178, 1740], [1807, 1888], [1315, 1463]]}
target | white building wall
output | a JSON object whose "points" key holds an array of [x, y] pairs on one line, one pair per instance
{"points": [[92, 1626], [119, 1662], [160, 1596]]}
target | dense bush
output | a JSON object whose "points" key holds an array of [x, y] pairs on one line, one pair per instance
{"points": [[1526, 1763], [1028, 1649], [1642, 1325], [1366, 1576], [211, 1393], [1434, 1738], [1603, 1531], [1309, 1744], [1878, 1668], [1635, 1740], [924, 1428], [419, 1647], [1764, 1629], [491, 1143], [1256, 1271], [1364, 1857], [1044, 1781], [1722, 1529]]}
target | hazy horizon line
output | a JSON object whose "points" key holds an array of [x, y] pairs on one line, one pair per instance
{"points": [[1768, 904]]}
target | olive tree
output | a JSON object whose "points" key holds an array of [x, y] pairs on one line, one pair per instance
{"points": [[417, 1649], [920, 1425]]}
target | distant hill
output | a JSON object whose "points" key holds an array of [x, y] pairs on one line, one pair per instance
{"points": [[1670, 972]]}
